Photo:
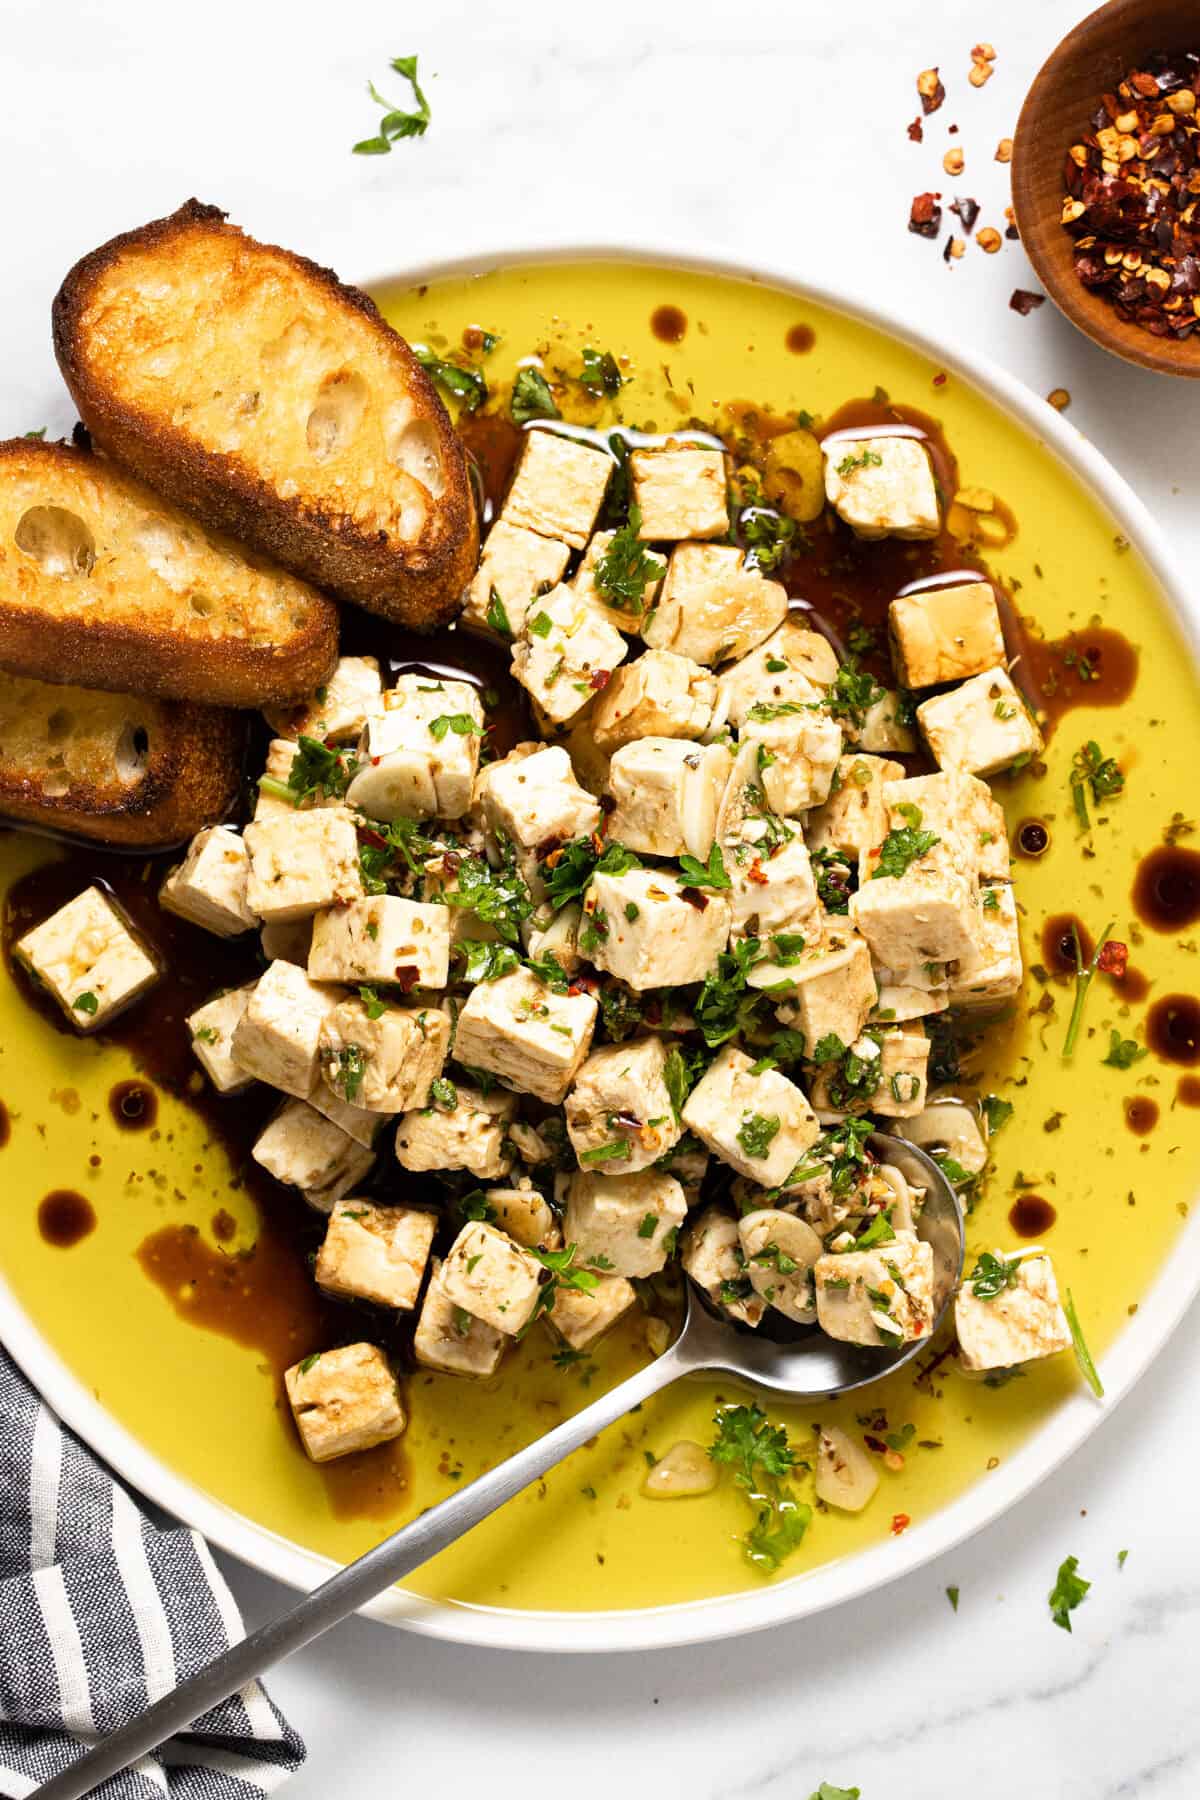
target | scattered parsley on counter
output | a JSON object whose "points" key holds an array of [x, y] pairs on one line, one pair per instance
{"points": [[1091, 769], [1121, 1555], [952, 1597], [1068, 1592], [761, 1457], [531, 398], [394, 123]]}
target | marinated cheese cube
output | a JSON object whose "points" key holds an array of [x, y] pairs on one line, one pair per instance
{"points": [[89, 959], [447, 1338], [624, 1224], [886, 725], [492, 1278], [384, 938], [780, 1251], [688, 1162], [981, 727], [667, 793], [711, 1252], [1022, 1323], [772, 887], [305, 1150], [855, 816], [300, 862], [993, 970], [946, 804], [534, 798], [639, 927], [930, 914], [759, 1124], [882, 1297], [619, 1113], [945, 634], [593, 583], [558, 488], [290, 942], [420, 753], [832, 987], [799, 752], [470, 1135], [991, 832], [520, 1030], [581, 1319], [339, 710], [208, 887], [911, 993], [517, 565], [794, 664], [212, 1027], [382, 1061], [356, 1121], [375, 1253], [660, 695], [903, 1082], [712, 608], [277, 1036], [523, 1215], [344, 1400], [882, 486], [567, 654], [680, 492]]}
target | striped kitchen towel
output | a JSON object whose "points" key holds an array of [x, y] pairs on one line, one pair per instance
{"points": [[101, 1612]]}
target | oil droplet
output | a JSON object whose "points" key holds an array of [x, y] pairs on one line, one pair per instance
{"points": [[64, 1217], [668, 324]]}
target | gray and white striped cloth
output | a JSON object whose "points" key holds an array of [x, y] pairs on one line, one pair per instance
{"points": [[101, 1612]]}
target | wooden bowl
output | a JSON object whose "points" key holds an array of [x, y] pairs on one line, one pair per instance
{"points": [[1090, 61]]}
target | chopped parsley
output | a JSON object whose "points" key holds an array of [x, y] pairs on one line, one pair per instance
{"points": [[88, 1003], [316, 769], [993, 1274], [1083, 1355], [619, 1150], [866, 459], [207, 1034], [568, 870], [761, 1458], [626, 568], [834, 877], [901, 848], [497, 897], [541, 625], [395, 124], [310, 1362], [1068, 1592], [756, 1132], [486, 961], [349, 1065], [710, 874], [373, 1006], [768, 537], [443, 1093], [648, 1226], [467, 385], [496, 615], [531, 398], [1091, 769], [1123, 1052], [853, 693], [725, 1004], [461, 724], [600, 374]]}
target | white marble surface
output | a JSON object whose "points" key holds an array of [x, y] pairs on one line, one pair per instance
{"points": [[764, 129]]}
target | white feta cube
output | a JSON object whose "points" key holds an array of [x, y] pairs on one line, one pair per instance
{"points": [[619, 1113], [1023, 1322], [903, 1082], [794, 664], [516, 567], [680, 491], [492, 1278], [382, 1061], [993, 970], [558, 487], [639, 927], [660, 695], [582, 1319], [798, 753], [946, 804], [624, 1224], [344, 1400], [449, 1339], [289, 942], [566, 655], [832, 986], [980, 727], [667, 793], [276, 1039], [520, 1030], [711, 1252], [855, 816], [208, 888], [534, 799], [470, 1135], [712, 608], [758, 1123], [911, 993], [87, 956], [420, 754], [945, 634], [375, 1253], [929, 914], [363, 1126], [305, 1150], [773, 889], [300, 862], [385, 939], [338, 712], [593, 582], [882, 486], [780, 1252], [212, 1027], [882, 1297]]}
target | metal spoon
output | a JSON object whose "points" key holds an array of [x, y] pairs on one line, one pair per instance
{"points": [[809, 1366]]}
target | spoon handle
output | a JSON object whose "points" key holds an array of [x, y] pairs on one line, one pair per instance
{"points": [[360, 1581]]}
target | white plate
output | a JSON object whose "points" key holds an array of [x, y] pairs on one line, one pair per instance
{"points": [[830, 1585]]}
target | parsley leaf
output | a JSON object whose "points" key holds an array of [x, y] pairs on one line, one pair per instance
{"points": [[1083, 1355], [681, 1070], [992, 1274], [1090, 768], [1084, 975], [396, 124], [626, 568], [531, 398], [600, 373], [568, 869], [1069, 1590], [1123, 1052], [461, 724], [865, 460], [853, 693], [756, 1132], [497, 897], [486, 961], [86, 1003], [711, 874], [349, 1065], [834, 877], [467, 385], [496, 615], [901, 848], [318, 769], [760, 1456], [372, 1004], [724, 1007], [996, 1112]]}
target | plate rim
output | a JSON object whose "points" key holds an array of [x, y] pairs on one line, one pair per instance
{"points": [[848, 1577]]}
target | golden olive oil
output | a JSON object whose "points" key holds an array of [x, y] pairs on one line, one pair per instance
{"points": [[587, 1538]]}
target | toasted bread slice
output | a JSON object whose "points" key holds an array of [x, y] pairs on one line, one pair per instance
{"points": [[271, 401], [104, 583], [116, 768]]}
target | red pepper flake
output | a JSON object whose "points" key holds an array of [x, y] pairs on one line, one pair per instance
{"points": [[931, 91], [1023, 302], [376, 839], [916, 132], [925, 215], [755, 873], [582, 984], [900, 1524], [1113, 958], [694, 897], [875, 1443], [407, 976], [939, 380], [967, 210], [600, 679]]}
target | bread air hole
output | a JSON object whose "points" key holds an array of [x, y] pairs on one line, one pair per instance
{"points": [[203, 605], [334, 421], [415, 448], [59, 724], [57, 539], [133, 753]]}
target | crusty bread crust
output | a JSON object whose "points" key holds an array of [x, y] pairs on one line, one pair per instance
{"points": [[102, 583], [115, 768], [201, 359]]}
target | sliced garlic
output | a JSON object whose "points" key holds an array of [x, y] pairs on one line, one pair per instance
{"points": [[686, 1469], [845, 1474]]}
